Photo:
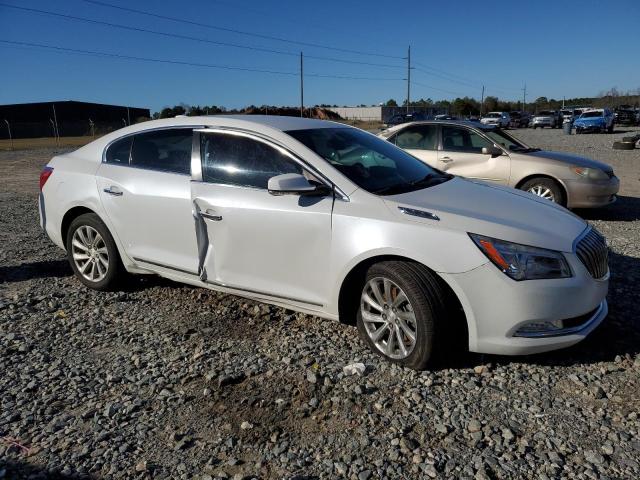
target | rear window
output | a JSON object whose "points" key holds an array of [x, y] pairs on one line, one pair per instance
{"points": [[163, 150], [118, 152]]}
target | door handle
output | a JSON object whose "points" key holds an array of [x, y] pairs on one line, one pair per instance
{"points": [[446, 159], [115, 191], [211, 215]]}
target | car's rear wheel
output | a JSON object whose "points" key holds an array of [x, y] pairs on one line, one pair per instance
{"points": [[400, 305], [545, 188], [92, 253]]}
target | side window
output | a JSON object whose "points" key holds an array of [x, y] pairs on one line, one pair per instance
{"points": [[163, 150], [418, 137], [118, 152], [242, 161], [459, 139]]}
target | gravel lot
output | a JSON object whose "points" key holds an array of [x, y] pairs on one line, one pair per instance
{"points": [[167, 381]]}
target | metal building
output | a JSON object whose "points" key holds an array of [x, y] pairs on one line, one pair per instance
{"points": [[65, 119]]}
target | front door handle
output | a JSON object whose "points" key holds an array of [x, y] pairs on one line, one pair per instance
{"points": [[211, 215], [447, 159], [115, 191]]}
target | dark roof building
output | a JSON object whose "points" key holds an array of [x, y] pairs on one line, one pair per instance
{"points": [[30, 120]]}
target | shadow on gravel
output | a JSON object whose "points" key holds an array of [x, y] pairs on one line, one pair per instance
{"points": [[29, 271], [17, 469], [626, 209]]}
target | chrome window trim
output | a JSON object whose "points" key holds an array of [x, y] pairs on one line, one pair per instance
{"points": [[132, 134], [273, 144]]}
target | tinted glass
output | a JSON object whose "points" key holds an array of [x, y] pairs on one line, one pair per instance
{"points": [[118, 152], [591, 114], [163, 150], [369, 161], [236, 160], [460, 139], [420, 137]]}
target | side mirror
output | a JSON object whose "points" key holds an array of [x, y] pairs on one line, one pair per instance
{"points": [[295, 184], [493, 151]]}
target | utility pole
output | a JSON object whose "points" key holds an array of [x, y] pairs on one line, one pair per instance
{"points": [[408, 77], [55, 119], [9, 129], [301, 86], [524, 97], [482, 101]]}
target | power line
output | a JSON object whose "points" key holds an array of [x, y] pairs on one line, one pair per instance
{"points": [[457, 78], [240, 32], [436, 88], [191, 64], [188, 37]]}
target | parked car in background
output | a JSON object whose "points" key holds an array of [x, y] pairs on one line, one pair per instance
{"points": [[490, 154], [519, 119], [499, 119], [329, 220], [625, 116], [568, 115], [400, 118], [595, 120], [546, 118], [445, 116]]}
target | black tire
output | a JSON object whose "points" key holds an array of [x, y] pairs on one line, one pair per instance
{"points": [[610, 129], [427, 298], [552, 185], [114, 270], [624, 145], [633, 139]]}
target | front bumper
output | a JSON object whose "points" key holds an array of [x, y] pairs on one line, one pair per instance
{"points": [[542, 123], [596, 127], [497, 307], [586, 194]]}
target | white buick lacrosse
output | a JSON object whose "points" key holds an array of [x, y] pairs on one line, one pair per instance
{"points": [[329, 220]]}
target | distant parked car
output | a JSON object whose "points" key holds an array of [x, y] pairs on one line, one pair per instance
{"points": [[487, 153], [568, 115], [595, 120], [401, 118], [519, 119], [445, 117], [499, 119], [625, 116], [547, 118]]}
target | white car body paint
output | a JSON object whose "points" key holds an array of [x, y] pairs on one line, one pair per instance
{"points": [[297, 251]]}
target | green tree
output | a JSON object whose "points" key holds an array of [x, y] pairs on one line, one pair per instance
{"points": [[391, 103]]}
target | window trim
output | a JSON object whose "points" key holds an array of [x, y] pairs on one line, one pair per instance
{"points": [[155, 129], [196, 157]]}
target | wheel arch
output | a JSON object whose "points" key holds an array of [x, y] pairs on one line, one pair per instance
{"points": [[562, 185], [69, 216], [352, 283]]}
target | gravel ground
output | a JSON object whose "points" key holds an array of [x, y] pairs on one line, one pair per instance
{"points": [[162, 380]]}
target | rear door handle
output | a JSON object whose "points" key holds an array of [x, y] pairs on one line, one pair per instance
{"points": [[115, 191], [211, 215], [447, 159]]}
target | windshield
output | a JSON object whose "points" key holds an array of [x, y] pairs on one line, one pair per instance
{"points": [[507, 141], [566, 112], [368, 161], [545, 113], [591, 114], [493, 115]]}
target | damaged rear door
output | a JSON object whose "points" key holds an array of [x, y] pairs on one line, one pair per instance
{"points": [[249, 239]]}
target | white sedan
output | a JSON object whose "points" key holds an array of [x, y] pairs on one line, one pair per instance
{"points": [[329, 220]]}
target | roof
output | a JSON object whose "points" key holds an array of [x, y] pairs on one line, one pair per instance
{"points": [[467, 123], [278, 122]]}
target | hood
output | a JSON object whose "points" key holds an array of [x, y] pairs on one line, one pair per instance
{"points": [[570, 159], [494, 211]]}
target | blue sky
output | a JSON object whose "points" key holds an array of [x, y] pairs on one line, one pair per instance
{"points": [[570, 48]]}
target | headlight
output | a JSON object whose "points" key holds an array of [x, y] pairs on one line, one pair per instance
{"points": [[591, 173], [522, 262]]}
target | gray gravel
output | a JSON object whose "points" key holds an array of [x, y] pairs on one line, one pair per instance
{"points": [[162, 380]]}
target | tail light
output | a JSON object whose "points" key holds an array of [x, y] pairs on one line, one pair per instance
{"points": [[44, 176]]}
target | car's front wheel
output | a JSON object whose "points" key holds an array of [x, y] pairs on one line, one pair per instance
{"points": [[400, 304], [545, 188], [92, 253]]}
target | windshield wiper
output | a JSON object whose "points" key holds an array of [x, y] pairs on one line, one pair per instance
{"points": [[431, 179]]}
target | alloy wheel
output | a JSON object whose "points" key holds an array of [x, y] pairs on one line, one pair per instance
{"points": [[388, 318], [90, 253], [542, 191]]}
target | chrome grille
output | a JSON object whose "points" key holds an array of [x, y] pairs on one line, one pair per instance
{"points": [[593, 253]]}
